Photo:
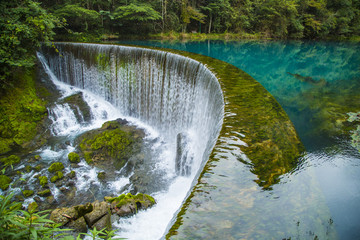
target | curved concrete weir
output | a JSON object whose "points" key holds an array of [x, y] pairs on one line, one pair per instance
{"points": [[228, 115]]}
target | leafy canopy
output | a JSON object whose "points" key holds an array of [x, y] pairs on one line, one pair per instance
{"points": [[137, 13], [24, 25]]}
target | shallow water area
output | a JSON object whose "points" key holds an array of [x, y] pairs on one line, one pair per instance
{"points": [[316, 83]]}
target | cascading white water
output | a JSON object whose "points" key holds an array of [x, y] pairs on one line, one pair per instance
{"points": [[171, 93]]}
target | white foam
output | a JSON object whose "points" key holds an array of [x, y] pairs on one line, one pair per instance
{"points": [[152, 223]]}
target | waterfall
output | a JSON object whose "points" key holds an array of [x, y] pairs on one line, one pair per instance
{"points": [[177, 96]]}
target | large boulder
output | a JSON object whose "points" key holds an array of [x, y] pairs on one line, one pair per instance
{"points": [[112, 145], [100, 209], [64, 215], [98, 214]]}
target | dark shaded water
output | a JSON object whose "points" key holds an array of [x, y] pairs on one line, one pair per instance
{"points": [[317, 83]]}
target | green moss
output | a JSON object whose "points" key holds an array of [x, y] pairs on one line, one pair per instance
{"points": [[74, 157], [27, 193], [71, 174], [4, 182], [44, 193], [123, 199], [84, 209], [57, 166], [114, 142], [101, 175], [28, 168], [11, 160], [21, 111], [88, 157], [59, 175], [43, 180], [150, 198], [33, 207], [38, 167]]}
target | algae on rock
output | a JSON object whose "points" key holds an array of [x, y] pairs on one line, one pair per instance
{"points": [[4, 182], [56, 166], [111, 145], [22, 113], [74, 157]]}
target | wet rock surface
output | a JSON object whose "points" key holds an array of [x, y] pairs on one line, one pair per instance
{"points": [[98, 214], [111, 145], [79, 106]]}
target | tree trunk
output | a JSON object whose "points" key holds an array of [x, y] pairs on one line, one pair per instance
{"points": [[209, 31]]}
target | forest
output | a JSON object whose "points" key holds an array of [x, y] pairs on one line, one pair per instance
{"points": [[271, 18], [25, 24]]}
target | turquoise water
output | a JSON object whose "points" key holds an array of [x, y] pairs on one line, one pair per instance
{"points": [[317, 83]]}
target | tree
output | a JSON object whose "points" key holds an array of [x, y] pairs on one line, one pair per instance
{"points": [[219, 14], [188, 12], [24, 25], [133, 17], [79, 18]]}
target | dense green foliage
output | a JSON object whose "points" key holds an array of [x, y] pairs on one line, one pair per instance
{"points": [[24, 24], [19, 224], [265, 18], [31, 224], [21, 112]]}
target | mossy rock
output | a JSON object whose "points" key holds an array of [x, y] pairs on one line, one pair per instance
{"points": [[63, 215], [27, 193], [71, 175], [101, 175], [4, 182], [19, 198], [57, 166], [44, 193], [33, 207], [79, 106], [128, 204], [38, 167], [12, 160], [74, 157], [111, 145], [43, 180], [59, 175], [28, 168], [84, 209]]}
